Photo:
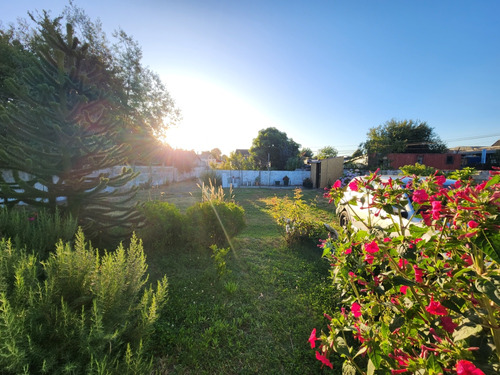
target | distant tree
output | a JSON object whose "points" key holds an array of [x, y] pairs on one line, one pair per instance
{"points": [[216, 153], [306, 153], [272, 145], [407, 136], [326, 152], [237, 161]]}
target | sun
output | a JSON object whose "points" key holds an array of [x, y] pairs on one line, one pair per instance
{"points": [[212, 116]]}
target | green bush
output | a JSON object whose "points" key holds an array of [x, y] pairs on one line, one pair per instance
{"points": [[37, 231], [296, 219], [464, 174], [215, 222], [307, 183], [417, 170], [77, 312], [163, 225]]}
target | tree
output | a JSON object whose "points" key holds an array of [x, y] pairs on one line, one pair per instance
{"points": [[63, 125], [237, 161], [216, 153], [326, 152], [407, 136], [274, 147]]}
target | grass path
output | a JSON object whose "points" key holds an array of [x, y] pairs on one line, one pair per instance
{"points": [[257, 318]]}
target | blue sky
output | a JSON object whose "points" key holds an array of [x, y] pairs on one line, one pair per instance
{"points": [[324, 72]]}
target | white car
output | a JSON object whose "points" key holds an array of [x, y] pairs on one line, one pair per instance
{"points": [[363, 217]]}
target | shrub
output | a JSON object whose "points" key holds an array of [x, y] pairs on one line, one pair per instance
{"points": [[296, 219], [307, 183], [77, 312], [464, 174], [36, 230], [417, 170], [422, 300], [163, 225], [215, 222]]}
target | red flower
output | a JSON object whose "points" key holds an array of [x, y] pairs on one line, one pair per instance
{"points": [[354, 186], [467, 259], [324, 360], [337, 184], [420, 196], [369, 258], [436, 209], [448, 324], [372, 247], [313, 338], [435, 308], [467, 368], [472, 224], [403, 289], [348, 251], [356, 309], [440, 180], [418, 274]]}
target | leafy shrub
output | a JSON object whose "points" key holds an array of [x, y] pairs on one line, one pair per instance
{"points": [[219, 256], [464, 174], [296, 219], [77, 312], [211, 177], [421, 300], [163, 225], [215, 222], [307, 183], [417, 170], [37, 230]]}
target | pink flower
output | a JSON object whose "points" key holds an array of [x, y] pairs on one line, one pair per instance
{"points": [[472, 224], [348, 251], [369, 258], [420, 196], [467, 259], [352, 274], [448, 324], [353, 186], [403, 289], [402, 263], [418, 274], [356, 309], [322, 358], [372, 247], [440, 180], [337, 184], [435, 308], [467, 368], [313, 338], [387, 239], [436, 209]]}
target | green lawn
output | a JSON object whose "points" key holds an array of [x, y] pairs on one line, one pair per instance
{"points": [[257, 317]]}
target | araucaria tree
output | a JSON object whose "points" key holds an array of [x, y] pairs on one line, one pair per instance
{"points": [[274, 147], [65, 117], [406, 136]]}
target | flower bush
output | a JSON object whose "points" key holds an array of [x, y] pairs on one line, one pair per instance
{"points": [[423, 299]]}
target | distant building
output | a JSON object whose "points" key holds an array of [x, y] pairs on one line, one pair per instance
{"points": [[479, 157]]}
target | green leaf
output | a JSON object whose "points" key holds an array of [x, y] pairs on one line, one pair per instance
{"points": [[371, 368], [375, 357], [400, 280], [489, 244], [494, 180], [341, 346], [348, 368], [466, 331], [492, 290], [396, 323], [361, 351]]}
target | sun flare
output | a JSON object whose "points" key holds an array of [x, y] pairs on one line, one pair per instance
{"points": [[212, 116]]}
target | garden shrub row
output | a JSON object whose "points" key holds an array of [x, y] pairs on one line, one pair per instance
{"points": [[204, 224]]}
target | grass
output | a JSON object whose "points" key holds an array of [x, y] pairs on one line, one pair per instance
{"points": [[255, 318]]}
